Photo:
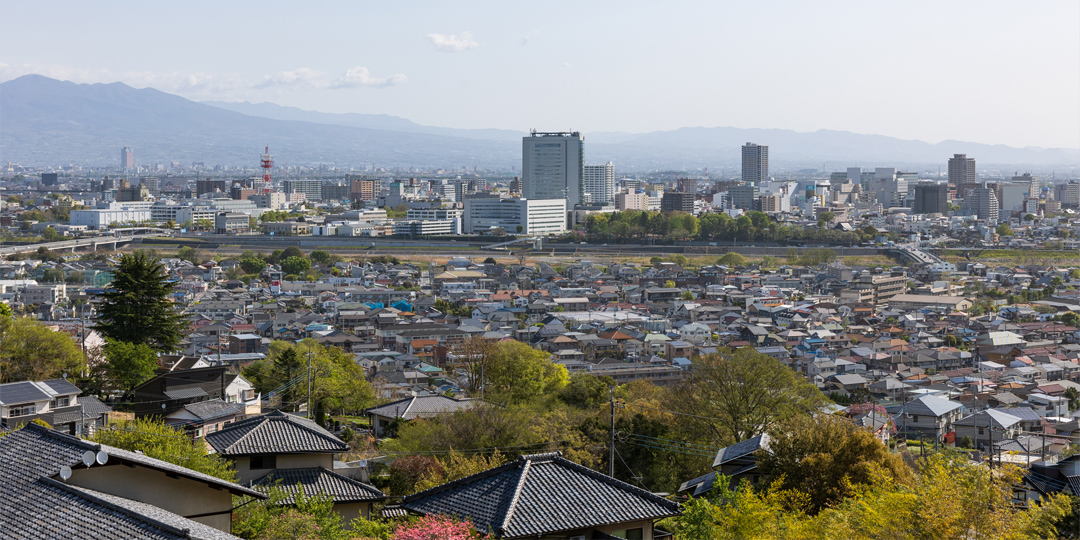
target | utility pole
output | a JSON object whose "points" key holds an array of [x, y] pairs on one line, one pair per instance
{"points": [[311, 382], [611, 447]]}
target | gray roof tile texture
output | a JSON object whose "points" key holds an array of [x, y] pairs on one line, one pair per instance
{"points": [[540, 494], [319, 480], [21, 392], [32, 505], [274, 433]]}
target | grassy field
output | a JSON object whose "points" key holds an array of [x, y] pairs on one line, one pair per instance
{"points": [[1014, 257]]}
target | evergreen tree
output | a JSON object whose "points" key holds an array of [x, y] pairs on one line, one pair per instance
{"points": [[137, 308], [288, 366]]}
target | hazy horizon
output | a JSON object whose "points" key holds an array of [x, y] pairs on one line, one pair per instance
{"points": [[921, 71]]}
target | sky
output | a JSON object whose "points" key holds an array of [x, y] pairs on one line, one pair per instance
{"points": [[989, 71]]}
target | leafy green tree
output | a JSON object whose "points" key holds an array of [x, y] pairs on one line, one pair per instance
{"points": [[1004, 230], [586, 391], [1070, 318], [53, 275], [320, 257], [50, 235], [189, 254], [136, 307], [309, 517], [518, 373], [252, 265], [29, 350], [735, 395], [291, 251], [157, 440], [828, 458], [731, 259], [295, 265], [129, 364]]}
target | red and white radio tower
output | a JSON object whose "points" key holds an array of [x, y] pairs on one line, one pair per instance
{"points": [[267, 164]]}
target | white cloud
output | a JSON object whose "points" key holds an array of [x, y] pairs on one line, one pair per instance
{"points": [[293, 77], [452, 43], [360, 76]]}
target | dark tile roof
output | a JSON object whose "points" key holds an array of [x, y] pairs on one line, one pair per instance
{"points": [[62, 387], [740, 449], [93, 406], [319, 480], [540, 494], [422, 406], [698, 485], [21, 392], [33, 505], [212, 409], [186, 393], [274, 433]]}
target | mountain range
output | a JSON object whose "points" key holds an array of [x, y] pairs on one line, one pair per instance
{"points": [[46, 122]]}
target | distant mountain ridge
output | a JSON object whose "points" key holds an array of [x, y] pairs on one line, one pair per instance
{"points": [[44, 121]]}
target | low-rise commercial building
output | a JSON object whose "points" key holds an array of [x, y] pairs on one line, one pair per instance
{"points": [[524, 216]]}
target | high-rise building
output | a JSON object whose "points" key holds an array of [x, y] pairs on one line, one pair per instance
{"points": [[983, 203], [127, 158], [152, 183], [363, 189], [1068, 194], [599, 183], [961, 170], [552, 166], [677, 201], [931, 198], [755, 163], [206, 185], [49, 179], [743, 197], [312, 189]]}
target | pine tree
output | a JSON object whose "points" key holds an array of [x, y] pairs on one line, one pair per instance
{"points": [[137, 308]]}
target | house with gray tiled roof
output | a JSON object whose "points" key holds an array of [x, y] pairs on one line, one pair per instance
{"points": [[410, 408], [47, 491], [279, 449], [546, 496]]}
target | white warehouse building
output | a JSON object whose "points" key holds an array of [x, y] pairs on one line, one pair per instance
{"points": [[534, 216], [99, 218]]}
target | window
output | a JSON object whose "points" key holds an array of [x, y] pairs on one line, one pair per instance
{"points": [[22, 410], [630, 534], [263, 462], [60, 402]]}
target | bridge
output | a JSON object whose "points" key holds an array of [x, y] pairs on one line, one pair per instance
{"points": [[111, 243]]}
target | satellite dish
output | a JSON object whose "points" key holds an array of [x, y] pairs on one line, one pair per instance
{"points": [[65, 472], [88, 458], [102, 457]]}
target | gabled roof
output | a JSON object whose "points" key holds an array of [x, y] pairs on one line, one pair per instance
{"points": [[35, 505], [274, 433], [540, 494], [931, 406], [319, 480], [422, 406]]}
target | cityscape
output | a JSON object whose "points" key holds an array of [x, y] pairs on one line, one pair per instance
{"points": [[295, 305]]}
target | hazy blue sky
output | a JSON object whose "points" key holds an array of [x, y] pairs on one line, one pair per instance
{"points": [[986, 71]]}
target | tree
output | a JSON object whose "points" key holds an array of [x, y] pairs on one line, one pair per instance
{"points": [[291, 251], [518, 373], [827, 217], [157, 440], [1029, 217], [491, 261], [828, 458], [339, 382], [1070, 318], [50, 235], [252, 265], [435, 527], [1074, 398], [731, 259], [687, 295], [136, 307], [308, 517], [295, 265], [129, 364], [189, 254], [30, 351], [1004, 230], [586, 391], [735, 395], [53, 275], [204, 224], [320, 257]]}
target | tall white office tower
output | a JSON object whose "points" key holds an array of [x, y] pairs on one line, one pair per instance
{"points": [[552, 166], [755, 163], [599, 183]]}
